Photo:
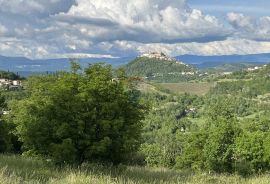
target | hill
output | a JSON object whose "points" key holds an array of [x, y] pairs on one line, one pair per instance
{"points": [[160, 68], [25, 66], [203, 62], [229, 67]]}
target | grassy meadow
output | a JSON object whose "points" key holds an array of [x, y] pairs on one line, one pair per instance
{"points": [[19, 170], [187, 87], [200, 88]]}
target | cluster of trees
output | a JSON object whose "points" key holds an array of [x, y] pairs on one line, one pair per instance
{"points": [[221, 142], [9, 75], [226, 144], [228, 132], [237, 68], [76, 116], [261, 72], [161, 126], [246, 88]]}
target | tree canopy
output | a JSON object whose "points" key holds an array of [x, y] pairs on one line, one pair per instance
{"points": [[79, 116]]}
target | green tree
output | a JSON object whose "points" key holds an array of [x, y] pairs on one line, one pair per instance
{"points": [[218, 149], [76, 117], [191, 155], [250, 151], [5, 138], [222, 130]]}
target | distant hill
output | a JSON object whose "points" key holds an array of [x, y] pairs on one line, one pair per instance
{"points": [[25, 66], [203, 62], [230, 67], [163, 69]]}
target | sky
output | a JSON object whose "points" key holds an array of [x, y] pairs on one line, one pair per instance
{"points": [[41, 29]]}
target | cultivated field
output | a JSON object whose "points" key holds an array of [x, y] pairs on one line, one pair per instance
{"points": [[18, 170], [187, 87]]}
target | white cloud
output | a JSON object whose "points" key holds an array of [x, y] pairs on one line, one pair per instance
{"points": [[3, 29], [249, 27], [226, 47], [82, 55], [30, 49], [57, 28], [147, 21], [37, 7]]}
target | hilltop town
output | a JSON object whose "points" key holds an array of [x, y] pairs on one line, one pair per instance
{"points": [[160, 56]]}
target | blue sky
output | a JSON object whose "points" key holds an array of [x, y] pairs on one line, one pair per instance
{"points": [[119, 28], [222, 7]]}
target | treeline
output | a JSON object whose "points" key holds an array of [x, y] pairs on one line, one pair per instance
{"points": [[246, 88], [9, 75]]}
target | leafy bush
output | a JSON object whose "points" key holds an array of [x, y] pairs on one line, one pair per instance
{"points": [[191, 155], [5, 138], [218, 149], [79, 116], [249, 151], [5, 144]]}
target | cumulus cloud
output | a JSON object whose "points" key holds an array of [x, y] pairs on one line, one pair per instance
{"points": [[226, 47], [55, 28], [148, 21], [30, 49], [35, 7], [250, 27]]}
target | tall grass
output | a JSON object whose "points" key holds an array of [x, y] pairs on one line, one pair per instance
{"points": [[18, 170]]}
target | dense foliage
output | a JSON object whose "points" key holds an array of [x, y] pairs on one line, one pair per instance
{"points": [[79, 116], [228, 67], [5, 141], [226, 130], [9, 75], [162, 125]]}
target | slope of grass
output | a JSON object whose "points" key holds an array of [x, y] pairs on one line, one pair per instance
{"points": [[18, 170], [188, 87], [150, 88]]}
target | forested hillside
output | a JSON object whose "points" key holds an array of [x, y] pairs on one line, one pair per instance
{"points": [[229, 67], [160, 70], [227, 130]]}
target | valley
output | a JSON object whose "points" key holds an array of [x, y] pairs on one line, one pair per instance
{"points": [[181, 111], [134, 92]]}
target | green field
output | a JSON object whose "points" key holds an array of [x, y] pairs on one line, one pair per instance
{"points": [[18, 170], [149, 88], [187, 87]]}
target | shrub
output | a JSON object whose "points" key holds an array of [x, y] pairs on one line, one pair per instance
{"points": [[79, 116], [5, 144], [5, 137]]}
